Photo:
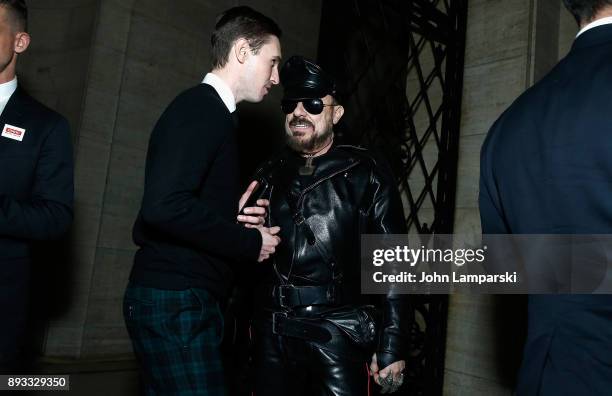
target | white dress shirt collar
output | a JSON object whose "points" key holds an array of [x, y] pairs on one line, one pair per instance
{"points": [[6, 91], [598, 22], [222, 89]]}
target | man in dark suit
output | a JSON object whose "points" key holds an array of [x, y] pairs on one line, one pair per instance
{"points": [[546, 168], [36, 181], [190, 242]]}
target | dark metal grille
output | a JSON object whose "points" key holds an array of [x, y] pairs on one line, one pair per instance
{"points": [[400, 66]]}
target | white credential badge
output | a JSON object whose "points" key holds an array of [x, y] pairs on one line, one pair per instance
{"points": [[13, 132]]}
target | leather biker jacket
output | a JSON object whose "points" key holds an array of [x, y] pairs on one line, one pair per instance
{"points": [[321, 217]]}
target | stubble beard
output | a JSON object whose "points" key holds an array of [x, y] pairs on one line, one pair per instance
{"points": [[314, 142]]}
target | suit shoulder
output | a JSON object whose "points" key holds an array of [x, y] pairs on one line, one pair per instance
{"points": [[40, 111]]}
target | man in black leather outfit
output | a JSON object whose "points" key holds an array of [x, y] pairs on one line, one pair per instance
{"points": [[312, 331]]}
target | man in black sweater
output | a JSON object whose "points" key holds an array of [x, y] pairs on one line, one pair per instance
{"points": [[190, 243]]}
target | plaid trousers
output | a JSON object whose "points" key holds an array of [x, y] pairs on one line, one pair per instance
{"points": [[176, 335]]}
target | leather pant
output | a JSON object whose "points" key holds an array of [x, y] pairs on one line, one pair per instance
{"points": [[292, 366]]}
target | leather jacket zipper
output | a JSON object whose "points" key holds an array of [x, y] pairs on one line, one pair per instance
{"points": [[301, 201], [315, 184]]}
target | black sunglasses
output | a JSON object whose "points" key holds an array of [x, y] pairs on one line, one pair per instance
{"points": [[312, 106]]}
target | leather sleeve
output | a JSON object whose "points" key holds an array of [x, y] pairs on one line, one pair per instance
{"points": [[386, 216]]}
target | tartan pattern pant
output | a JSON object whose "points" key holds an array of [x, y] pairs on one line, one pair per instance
{"points": [[176, 335]]}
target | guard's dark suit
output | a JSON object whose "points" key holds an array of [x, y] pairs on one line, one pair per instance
{"points": [[316, 269], [36, 195], [546, 168]]}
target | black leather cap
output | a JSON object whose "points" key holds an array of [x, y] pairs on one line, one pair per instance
{"points": [[303, 79]]}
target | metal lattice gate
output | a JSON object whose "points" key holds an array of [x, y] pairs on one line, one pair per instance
{"points": [[400, 66]]}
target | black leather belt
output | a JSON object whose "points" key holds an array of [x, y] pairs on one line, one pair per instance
{"points": [[284, 325], [289, 296]]}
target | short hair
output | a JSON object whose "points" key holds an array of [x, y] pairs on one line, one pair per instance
{"points": [[236, 23], [585, 10], [17, 13]]}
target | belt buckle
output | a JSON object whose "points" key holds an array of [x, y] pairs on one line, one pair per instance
{"points": [[280, 296], [276, 318]]}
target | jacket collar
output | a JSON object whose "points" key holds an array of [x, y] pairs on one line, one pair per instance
{"points": [[335, 161], [15, 108], [595, 36]]}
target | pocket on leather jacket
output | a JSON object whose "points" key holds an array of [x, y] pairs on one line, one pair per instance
{"points": [[358, 323]]}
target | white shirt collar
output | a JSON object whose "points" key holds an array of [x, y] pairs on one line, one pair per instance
{"points": [[222, 89], [598, 22], [7, 88]]}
